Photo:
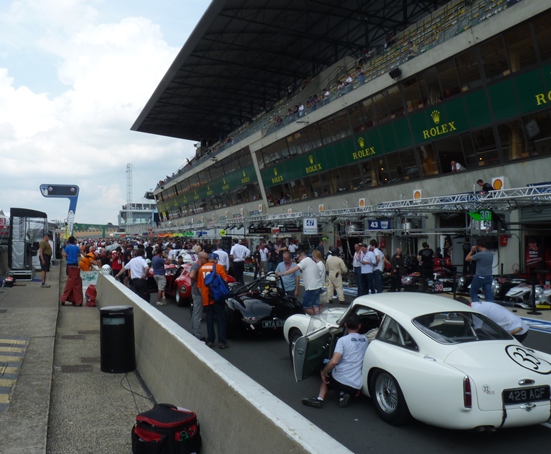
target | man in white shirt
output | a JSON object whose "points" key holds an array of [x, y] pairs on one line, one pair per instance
{"points": [[313, 282], [238, 254], [292, 248], [357, 265], [456, 167], [510, 322], [171, 254], [138, 274], [368, 260], [344, 371], [223, 257], [379, 266], [263, 251]]}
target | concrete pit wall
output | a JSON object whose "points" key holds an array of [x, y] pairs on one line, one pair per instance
{"points": [[237, 415]]}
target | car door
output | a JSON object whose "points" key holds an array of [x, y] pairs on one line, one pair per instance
{"points": [[318, 343], [310, 351]]}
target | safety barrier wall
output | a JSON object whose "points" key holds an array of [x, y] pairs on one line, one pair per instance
{"points": [[237, 415]]}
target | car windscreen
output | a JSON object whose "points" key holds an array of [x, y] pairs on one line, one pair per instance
{"points": [[458, 327]]}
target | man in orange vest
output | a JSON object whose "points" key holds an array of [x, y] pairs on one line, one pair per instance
{"points": [[214, 310]]}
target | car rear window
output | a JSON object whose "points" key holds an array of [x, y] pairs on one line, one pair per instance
{"points": [[458, 327]]}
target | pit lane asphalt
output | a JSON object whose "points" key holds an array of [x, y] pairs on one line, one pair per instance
{"points": [[265, 359]]}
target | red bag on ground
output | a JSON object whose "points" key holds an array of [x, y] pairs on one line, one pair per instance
{"points": [[91, 294]]}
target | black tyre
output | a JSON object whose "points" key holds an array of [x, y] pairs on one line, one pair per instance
{"points": [[389, 400], [181, 302], [293, 337]]}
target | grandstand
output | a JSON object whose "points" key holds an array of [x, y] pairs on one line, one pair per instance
{"points": [[353, 112]]}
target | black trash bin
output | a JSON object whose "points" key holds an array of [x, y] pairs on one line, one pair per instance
{"points": [[117, 339]]}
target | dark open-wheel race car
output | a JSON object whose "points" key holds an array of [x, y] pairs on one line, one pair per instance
{"points": [[259, 306]]}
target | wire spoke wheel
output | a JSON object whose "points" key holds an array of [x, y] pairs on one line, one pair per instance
{"points": [[386, 393], [389, 400]]}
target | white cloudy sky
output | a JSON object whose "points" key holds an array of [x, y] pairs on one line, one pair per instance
{"points": [[74, 76]]}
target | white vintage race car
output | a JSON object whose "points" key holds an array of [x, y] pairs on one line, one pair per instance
{"points": [[433, 359]]}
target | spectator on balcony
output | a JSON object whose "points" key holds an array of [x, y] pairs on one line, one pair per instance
{"points": [[361, 76], [326, 96], [456, 167], [348, 83], [366, 56]]}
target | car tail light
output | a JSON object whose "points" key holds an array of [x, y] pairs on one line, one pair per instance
{"points": [[467, 395]]}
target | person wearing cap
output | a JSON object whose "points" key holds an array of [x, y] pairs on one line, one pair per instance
{"points": [[214, 310], [45, 255]]}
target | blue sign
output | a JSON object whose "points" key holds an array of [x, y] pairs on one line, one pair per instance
{"points": [[310, 226], [379, 225]]}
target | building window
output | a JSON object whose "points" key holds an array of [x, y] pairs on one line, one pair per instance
{"points": [[468, 70], [543, 35], [483, 148], [428, 160], [538, 133], [412, 95], [449, 150], [522, 52], [494, 59], [447, 75], [357, 120], [511, 136], [409, 165]]}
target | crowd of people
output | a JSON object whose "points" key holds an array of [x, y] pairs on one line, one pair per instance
{"points": [[130, 262]]}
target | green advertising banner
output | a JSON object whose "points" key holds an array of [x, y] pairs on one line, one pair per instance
{"points": [[503, 107], [403, 133], [531, 92], [478, 108]]}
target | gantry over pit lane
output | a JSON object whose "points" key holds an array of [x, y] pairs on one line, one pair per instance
{"points": [[498, 200]]}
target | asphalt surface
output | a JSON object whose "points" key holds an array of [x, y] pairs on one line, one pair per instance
{"points": [[265, 358], [54, 398]]}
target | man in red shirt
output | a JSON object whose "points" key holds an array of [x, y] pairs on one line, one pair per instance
{"points": [[214, 310]]}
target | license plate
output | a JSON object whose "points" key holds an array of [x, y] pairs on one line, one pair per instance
{"points": [[522, 395], [272, 324]]}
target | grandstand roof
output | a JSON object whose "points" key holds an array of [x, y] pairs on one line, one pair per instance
{"points": [[243, 54]]}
